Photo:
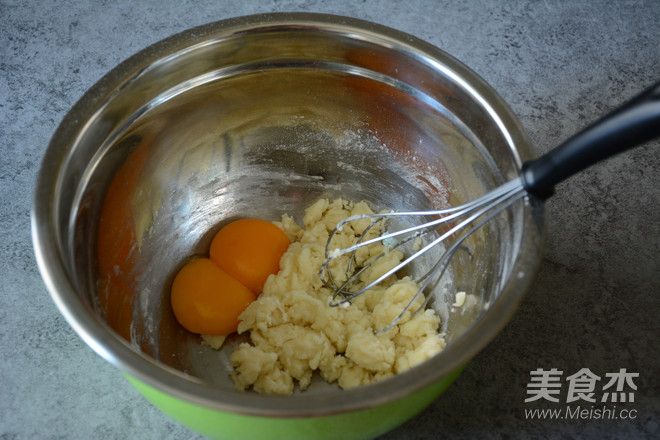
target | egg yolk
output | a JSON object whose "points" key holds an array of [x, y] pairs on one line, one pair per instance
{"points": [[209, 294], [206, 300], [249, 250]]}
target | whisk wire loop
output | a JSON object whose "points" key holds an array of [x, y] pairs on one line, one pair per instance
{"points": [[460, 217], [438, 270]]}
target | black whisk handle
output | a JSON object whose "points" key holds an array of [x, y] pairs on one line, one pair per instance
{"points": [[632, 124]]}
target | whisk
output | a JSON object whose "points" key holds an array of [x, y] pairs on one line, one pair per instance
{"points": [[630, 125]]}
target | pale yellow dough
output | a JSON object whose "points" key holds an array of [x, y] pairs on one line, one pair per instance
{"points": [[295, 332]]}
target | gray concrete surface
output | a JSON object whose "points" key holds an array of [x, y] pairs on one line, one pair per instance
{"points": [[595, 301]]}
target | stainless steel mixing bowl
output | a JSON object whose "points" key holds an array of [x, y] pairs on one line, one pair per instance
{"points": [[256, 117]]}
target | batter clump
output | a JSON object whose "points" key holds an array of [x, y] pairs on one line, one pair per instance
{"points": [[294, 331]]}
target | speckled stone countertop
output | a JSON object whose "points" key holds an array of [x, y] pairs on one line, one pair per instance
{"points": [[595, 303]]}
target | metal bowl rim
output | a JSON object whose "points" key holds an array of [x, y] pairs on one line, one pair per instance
{"points": [[119, 353]]}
